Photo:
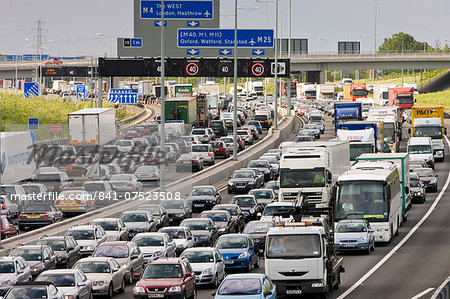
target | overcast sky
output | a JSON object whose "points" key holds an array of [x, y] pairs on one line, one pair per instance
{"points": [[73, 25]]}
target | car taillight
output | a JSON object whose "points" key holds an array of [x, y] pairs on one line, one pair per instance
{"points": [[195, 162], [205, 135], [43, 215], [154, 175], [22, 216], [3, 206], [210, 154], [178, 162], [130, 185]]}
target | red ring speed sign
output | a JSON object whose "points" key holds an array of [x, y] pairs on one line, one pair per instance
{"points": [[192, 69], [257, 69]]}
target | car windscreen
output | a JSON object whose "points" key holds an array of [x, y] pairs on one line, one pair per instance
{"points": [[107, 225], [351, 227], [148, 240], [244, 201], [134, 217], [216, 217], [55, 245], [243, 175], [424, 172], [202, 191], [37, 208], [31, 189], [118, 252], [59, 280], [240, 287], [162, 271], [231, 242], [7, 267], [173, 204], [257, 227], [200, 149], [93, 267], [199, 256], [27, 254], [293, 246], [196, 225]]}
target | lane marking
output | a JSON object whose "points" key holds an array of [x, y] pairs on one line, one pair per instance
{"points": [[403, 241], [422, 293]]}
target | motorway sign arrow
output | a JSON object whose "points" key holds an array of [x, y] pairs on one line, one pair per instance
{"points": [[158, 23], [225, 52], [258, 52], [193, 23], [221, 38], [178, 9], [31, 89], [193, 51]]}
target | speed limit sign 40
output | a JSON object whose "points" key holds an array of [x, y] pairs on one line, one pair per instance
{"points": [[258, 69], [192, 69]]}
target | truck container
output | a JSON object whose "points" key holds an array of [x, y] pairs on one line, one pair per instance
{"points": [[145, 88], [306, 91], [388, 129], [402, 97], [311, 168], [346, 111], [361, 141], [255, 87], [326, 91], [428, 121], [381, 94], [188, 109], [16, 156], [379, 112], [92, 127], [57, 86], [212, 92], [347, 89], [402, 162]]}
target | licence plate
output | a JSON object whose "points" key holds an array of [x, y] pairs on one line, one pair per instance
{"points": [[289, 292], [120, 186], [145, 175], [155, 295], [349, 245], [228, 262], [199, 205], [186, 162], [33, 216], [49, 187], [240, 186]]}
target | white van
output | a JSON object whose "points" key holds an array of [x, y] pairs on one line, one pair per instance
{"points": [[421, 149]]}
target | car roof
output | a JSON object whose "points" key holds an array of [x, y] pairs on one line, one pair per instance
{"points": [[78, 227], [35, 246], [54, 238], [114, 243], [167, 260], [246, 275], [235, 236], [149, 234], [200, 249], [61, 271], [9, 258], [104, 219], [96, 259]]}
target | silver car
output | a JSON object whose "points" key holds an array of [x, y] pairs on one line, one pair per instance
{"points": [[147, 173], [73, 283], [114, 228], [155, 245], [182, 237], [105, 274], [13, 269], [207, 264], [9, 207], [125, 183], [138, 222], [127, 254], [88, 237]]}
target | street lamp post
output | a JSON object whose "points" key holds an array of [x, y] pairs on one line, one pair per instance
{"points": [[163, 102], [276, 67], [235, 146]]}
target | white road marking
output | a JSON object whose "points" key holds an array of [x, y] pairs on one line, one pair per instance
{"points": [[422, 293], [403, 241]]}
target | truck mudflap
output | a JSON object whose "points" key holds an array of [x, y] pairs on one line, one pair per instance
{"points": [[339, 266]]}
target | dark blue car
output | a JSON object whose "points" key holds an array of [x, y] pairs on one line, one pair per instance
{"points": [[238, 251]]}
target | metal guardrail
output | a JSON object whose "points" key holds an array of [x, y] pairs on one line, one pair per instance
{"points": [[443, 292], [134, 117]]}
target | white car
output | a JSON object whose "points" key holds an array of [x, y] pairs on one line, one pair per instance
{"points": [[203, 134], [205, 151], [125, 182], [88, 237], [147, 173], [182, 236], [247, 135], [207, 264], [271, 210], [125, 146], [155, 245], [193, 139]]}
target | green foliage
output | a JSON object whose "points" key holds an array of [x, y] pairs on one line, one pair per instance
{"points": [[402, 42], [434, 98]]}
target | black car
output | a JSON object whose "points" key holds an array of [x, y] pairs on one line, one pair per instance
{"points": [[235, 212], [243, 181], [203, 229], [222, 219], [259, 175], [39, 257], [66, 249], [189, 162], [258, 230], [37, 214], [219, 127], [263, 166], [177, 210], [417, 190], [249, 206], [204, 197], [428, 177], [158, 212]]}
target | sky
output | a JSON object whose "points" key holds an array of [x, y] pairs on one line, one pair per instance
{"points": [[90, 27]]}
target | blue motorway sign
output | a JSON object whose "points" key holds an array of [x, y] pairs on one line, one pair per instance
{"points": [[120, 90], [122, 98], [219, 38], [136, 42], [193, 52], [31, 89], [178, 9], [193, 24], [225, 52], [81, 92], [158, 23], [33, 123], [258, 52]]}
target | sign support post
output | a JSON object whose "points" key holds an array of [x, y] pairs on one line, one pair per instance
{"points": [[163, 104], [276, 68], [235, 146]]}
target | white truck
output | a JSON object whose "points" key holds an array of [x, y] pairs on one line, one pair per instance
{"points": [[366, 104], [306, 91], [361, 141], [16, 157], [91, 127], [212, 92], [300, 259], [60, 86], [312, 168], [381, 94], [145, 88], [255, 87], [326, 91], [413, 85]]}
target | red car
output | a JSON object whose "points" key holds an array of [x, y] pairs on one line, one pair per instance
{"points": [[53, 61], [8, 229], [166, 278], [220, 149]]}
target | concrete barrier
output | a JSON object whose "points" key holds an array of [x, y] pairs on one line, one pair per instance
{"points": [[210, 176], [443, 292]]}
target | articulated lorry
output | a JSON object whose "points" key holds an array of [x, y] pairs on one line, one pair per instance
{"points": [[16, 157], [402, 162], [91, 127], [428, 121], [355, 91], [212, 92], [402, 97], [346, 111], [311, 168], [188, 109]]}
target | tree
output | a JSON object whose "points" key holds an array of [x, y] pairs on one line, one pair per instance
{"points": [[401, 41]]}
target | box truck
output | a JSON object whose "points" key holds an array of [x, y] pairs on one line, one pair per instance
{"points": [[144, 90], [188, 109], [402, 97], [346, 111], [16, 157], [91, 127], [381, 94]]}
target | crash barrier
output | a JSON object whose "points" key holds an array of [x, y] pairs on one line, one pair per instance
{"points": [[443, 292]]}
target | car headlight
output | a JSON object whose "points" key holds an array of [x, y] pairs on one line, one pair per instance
{"points": [[223, 229], [6, 283], [252, 210], [243, 255], [89, 247], [179, 215], [251, 183], [175, 289], [124, 266], [37, 269], [230, 183], [362, 239], [98, 283], [68, 297], [208, 271], [418, 193], [138, 290]]}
